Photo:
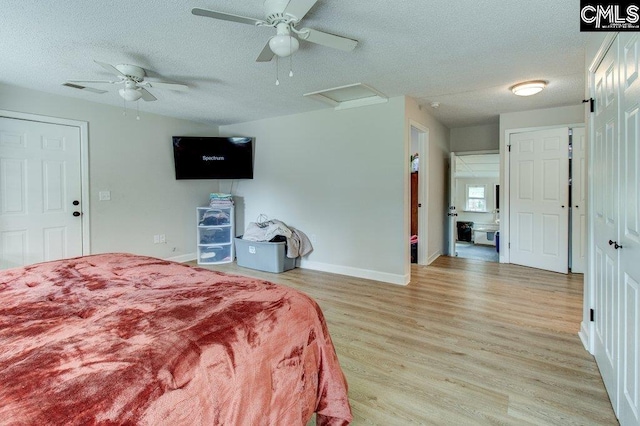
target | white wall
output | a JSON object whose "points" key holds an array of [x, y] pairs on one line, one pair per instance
{"points": [[338, 177], [341, 176], [475, 138], [134, 160], [560, 116]]}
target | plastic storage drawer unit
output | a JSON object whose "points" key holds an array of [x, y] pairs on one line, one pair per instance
{"points": [[215, 254], [215, 235], [263, 256]]}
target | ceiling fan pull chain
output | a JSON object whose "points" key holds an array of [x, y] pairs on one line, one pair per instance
{"points": [[124, 107], [138, 110], [290, 58], [277, 63]]}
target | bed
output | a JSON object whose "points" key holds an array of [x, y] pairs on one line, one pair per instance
{"points": [[125, 339]]}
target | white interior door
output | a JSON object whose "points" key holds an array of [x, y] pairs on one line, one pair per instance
{"points": [[538, 196], [578, 201], [629, 251], [605, 221], [40, 190]]}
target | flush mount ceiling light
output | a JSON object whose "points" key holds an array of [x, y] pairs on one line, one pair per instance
{"points": [[528, 88]]}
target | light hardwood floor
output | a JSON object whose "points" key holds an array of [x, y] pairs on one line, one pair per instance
{"points": [[466, 342]]}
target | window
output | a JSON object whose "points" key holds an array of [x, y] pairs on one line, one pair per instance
{"points": [[476, 198]]}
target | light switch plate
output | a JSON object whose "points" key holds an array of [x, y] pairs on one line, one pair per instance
{"points": [[104, 195]]}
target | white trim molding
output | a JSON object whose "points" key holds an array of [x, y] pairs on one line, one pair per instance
{"points": [[83, 128], [356, 272]]}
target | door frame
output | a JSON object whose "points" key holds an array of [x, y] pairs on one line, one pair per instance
{"points": [[83, 128], [423, 191], [505, 160], [451, 220]]}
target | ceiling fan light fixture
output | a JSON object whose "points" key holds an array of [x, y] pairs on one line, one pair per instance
{"points": [[528, 88], [130, 95], [283, 45]]}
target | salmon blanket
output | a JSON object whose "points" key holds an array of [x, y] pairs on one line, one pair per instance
{"points": [[124, 339]]}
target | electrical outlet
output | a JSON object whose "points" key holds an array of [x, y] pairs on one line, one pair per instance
{"points": [[163, 238], [156, 239]]}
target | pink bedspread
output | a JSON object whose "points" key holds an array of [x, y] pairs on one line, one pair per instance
{"points": [[123, 339]]}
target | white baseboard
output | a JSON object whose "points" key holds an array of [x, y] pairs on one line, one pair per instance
{"points": [[433, 257], [356, 272], [584, 337], [183, 258], [326, 267]]}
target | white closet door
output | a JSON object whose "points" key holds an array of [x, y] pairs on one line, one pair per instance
{"points": [[605, 221], [539, 196], [579, 201], [40, 180], [630, 230]]}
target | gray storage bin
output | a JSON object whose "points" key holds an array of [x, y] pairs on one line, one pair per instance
{"points": [[263, 256]]}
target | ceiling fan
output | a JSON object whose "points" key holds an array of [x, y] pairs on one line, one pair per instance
{"points": [[132, 77], [284, 15]]}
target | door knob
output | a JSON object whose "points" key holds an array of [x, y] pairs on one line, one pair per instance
{"points": [[75, 202], [615, 244], [76, 214]]}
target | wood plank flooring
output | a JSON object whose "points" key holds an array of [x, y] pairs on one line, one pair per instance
{"points": [[465, 343]]}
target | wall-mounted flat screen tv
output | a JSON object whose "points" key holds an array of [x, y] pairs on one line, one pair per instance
{"points": [[213, 157]]}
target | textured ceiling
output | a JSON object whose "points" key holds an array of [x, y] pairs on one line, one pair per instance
{"points": [[463, 54]]}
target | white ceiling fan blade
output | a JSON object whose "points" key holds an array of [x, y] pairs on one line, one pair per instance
{"points": [[81, 87], [299, 8], [110, 68], [163, 85], [329, 40], [225, 16], [146, 95], [93, 81], [266, 55]]}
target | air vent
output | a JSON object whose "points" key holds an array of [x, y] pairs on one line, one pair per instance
{"points": [[353, 95], [88, 89]]}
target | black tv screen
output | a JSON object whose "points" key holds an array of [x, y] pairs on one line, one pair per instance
{"points": [[213, 157]]}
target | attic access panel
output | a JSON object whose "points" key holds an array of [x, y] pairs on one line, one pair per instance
{"points": [[350, 96]]}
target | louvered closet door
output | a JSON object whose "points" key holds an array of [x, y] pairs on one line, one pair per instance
{"points": [[605, 220], [630, 230]]}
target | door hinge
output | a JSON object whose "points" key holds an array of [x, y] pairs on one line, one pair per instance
{"points": [[509, 146], [592, 103], [509, 245], [592, 315]]}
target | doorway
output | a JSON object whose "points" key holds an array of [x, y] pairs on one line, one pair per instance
{"points": [[474, 212], [418, 177]]}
